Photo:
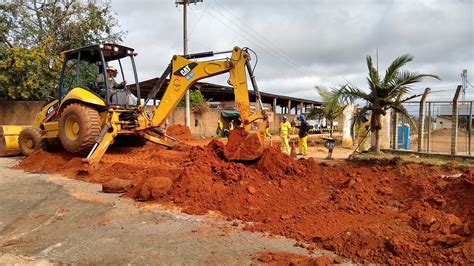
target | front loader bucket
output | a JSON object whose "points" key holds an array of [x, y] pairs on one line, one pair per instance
{"points": [[243, 146], [9, 137]]}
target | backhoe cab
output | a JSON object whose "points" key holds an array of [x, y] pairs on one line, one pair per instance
{"points": [[76, 115], [88, 68], [93, 107]]}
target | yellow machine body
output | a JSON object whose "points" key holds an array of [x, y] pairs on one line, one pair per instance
{"points": [[81, 95], [9, 137], [76, 95], [183, 73], [9, 134]]}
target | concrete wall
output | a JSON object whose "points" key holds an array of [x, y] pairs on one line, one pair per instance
{"points": [[275, 126], [19, 112], [207, 122], [205, 125], [24, 112], [442, 123]]}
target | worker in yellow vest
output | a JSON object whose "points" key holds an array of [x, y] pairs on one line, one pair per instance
{"points": [[220, 128], [303, 135], [267, 130], [285, 128]]}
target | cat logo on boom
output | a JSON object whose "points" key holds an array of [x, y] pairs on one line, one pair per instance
{"points": [[186, 71]]}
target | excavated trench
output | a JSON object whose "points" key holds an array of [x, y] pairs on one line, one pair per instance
{"points": [[380, 211]]}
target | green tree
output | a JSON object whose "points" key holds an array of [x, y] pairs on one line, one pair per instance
{"points": [[197, 102], [387, 92], [332, 105], [35, 32], [25, 74]]}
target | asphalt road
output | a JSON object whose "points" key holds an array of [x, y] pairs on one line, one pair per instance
{"points": [[52, 219]]}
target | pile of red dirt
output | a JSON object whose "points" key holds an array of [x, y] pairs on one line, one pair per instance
{"points": [[381, 211], [242, 146], [180, 132]]}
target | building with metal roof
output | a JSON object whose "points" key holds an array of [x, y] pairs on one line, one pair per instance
{"points": [[219, 93]]}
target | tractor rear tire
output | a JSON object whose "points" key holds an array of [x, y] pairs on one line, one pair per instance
{"points": [[30, 140], [79, 126]]}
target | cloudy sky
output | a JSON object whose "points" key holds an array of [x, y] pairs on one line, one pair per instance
{"points": [[301, 43]]}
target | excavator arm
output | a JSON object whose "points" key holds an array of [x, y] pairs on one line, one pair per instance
{"points": [[184, 72]]}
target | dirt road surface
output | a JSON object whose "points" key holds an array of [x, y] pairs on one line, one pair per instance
{"points": [[49, 219], [370, 210]]}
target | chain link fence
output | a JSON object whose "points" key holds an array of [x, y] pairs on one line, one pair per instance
{"points": [[443, 127]]}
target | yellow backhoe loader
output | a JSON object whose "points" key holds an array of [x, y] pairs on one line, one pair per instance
{"points": [[92, 108]]}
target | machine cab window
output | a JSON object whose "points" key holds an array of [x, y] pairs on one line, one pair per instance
{"points": [[105, 70], [78, 73]]}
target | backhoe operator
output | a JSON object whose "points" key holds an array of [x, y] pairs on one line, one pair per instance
{"points": [[119, 93], [111, 74]]}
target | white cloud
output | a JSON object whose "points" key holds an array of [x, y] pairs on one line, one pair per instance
{"points": [[304, 43]]}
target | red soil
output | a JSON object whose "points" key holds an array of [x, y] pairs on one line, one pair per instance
{"points": [[179, 132], [242, 146], [376, 211]]}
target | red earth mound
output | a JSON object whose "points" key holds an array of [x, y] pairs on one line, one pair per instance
{"points": [[370, 211], [179, 132], [242, 146]]}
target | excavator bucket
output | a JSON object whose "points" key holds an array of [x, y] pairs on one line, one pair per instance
{"points": [[243, 145], [9, 137]]}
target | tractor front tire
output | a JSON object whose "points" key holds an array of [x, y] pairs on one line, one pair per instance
{"points": [[79, 126], [30, 140]]}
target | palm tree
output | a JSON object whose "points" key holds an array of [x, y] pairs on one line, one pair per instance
{"points": [[386, 93], [332, 105]]}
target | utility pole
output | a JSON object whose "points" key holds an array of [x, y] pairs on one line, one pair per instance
{"points": [[464, 83], [185, 3]]}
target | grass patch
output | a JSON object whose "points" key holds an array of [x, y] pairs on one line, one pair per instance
{"points": [[416, 158]]}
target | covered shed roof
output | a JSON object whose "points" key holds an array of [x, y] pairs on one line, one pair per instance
{"points": [[226, 93]]}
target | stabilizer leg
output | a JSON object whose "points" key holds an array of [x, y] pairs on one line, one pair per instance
{"points": [[104, 140]]}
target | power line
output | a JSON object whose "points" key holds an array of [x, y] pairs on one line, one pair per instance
{"points": [[266, 41], [199, 19], [260, 43], [200, 44], [232, 29], [452, 87], [469, 83]]}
